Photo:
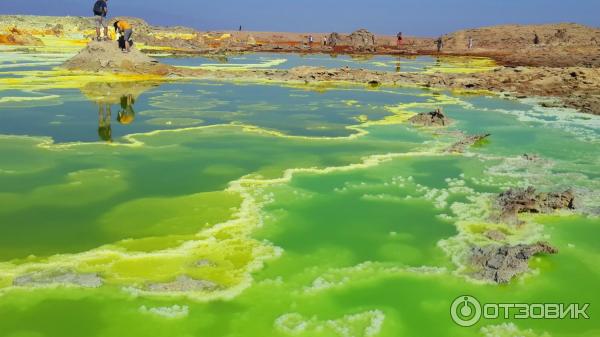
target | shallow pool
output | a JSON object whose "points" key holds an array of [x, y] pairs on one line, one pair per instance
{"points": [[246, 209]]}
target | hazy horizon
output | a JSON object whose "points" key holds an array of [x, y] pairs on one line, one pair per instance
{"points": [[378, 16]]}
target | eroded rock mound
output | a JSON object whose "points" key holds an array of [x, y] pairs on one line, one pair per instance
{"points": [[433, 118], [501, 263], [106, 56], [361, 41], [464, 143], [58, 277], [518, 200]]}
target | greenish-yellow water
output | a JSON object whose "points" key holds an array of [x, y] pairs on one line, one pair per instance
{"points": [[310, 212]]}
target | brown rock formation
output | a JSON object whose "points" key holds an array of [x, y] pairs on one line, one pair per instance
{"points": [[514, 201], [359, 41], [433, 118], [501, 263], [467, 141], [14, 36]]}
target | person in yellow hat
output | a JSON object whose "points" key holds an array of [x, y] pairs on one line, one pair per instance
{"points": [[123, 28]]}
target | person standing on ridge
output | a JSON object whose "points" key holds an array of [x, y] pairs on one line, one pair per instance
{"points": [[536, 39], [311, 39], [124, 28], [100, 12], [399, 42], [440, 44], [470, 44]]}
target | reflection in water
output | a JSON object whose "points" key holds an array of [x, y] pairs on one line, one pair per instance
{"points": [[108, 94], [126, 115], [361, 58], [104, 116]]}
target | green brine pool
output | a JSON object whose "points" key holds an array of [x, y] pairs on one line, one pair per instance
{"points": [[143, 207]]}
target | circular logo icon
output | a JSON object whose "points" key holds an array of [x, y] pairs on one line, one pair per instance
{"points": [[465, 311]]}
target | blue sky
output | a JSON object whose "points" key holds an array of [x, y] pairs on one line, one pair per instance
{"points": [[415, 17]]}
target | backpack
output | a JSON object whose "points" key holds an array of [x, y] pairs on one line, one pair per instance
{"points": [[99, 7], [121, 42]]}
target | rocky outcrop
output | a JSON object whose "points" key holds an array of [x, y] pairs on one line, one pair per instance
{"points": [[15, 37], [515, 37], [514, 201], [107, 57], [501, 263], [466, 142], [183, 284], [359, 41], [58, 277], [560, 45], [433, 118], [495, 235], [363, 41]]}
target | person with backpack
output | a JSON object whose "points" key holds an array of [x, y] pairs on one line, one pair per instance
{"points": [[100, 12], [123, 28]]}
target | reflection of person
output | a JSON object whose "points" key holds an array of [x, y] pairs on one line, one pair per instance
{"points": [[126, 115], [104, 116], [398, 66]]}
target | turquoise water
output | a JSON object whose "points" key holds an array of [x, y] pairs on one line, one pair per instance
{"points": [[288, 61]]}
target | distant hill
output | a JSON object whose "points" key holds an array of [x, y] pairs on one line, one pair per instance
{"points": [[513, 37]]}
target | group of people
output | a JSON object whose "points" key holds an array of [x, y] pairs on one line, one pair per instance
{"points": [[470, 42], [122, 27], [439, 42]]}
